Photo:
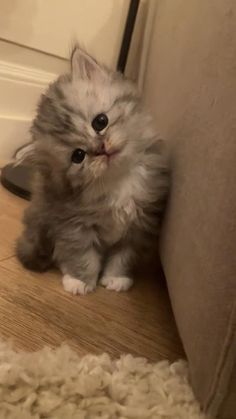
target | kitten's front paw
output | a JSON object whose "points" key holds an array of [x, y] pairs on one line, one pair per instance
{"points": [[76, 286], [116, 283]]}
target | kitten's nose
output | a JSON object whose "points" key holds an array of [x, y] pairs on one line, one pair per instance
{"points": [[101, 148]]}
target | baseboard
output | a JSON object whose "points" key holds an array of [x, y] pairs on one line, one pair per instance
{"points": [[14, 133], [20, 88], [16, 72]]}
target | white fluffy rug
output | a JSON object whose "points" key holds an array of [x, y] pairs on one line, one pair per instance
{"points": [[59, 384]]}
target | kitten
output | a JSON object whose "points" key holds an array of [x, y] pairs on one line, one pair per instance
{"points": [[101, 179]]}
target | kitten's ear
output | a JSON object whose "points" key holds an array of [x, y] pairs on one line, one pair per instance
{"points": [[83, 66]]}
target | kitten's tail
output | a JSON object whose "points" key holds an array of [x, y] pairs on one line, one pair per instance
{"points": [[34, 255]]}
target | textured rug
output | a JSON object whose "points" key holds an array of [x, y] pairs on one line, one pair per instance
{"points": [[61, 385]]}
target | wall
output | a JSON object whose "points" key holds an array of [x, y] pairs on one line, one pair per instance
{"points": [[24, 75], [190, 86]]}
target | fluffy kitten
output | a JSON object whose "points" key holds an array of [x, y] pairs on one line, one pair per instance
{"points": [[101, 179]]}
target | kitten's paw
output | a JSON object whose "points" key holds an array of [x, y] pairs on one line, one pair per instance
{"points": [[76, 286], [116, 283]]}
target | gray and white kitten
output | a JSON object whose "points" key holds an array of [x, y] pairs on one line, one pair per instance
{"points": [[101, 179]]}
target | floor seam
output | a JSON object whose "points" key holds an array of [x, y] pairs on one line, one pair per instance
{"points": [[6, 258]]}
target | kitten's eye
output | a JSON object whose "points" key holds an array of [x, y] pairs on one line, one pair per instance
{"points": [[78, 155], [100, 122]]}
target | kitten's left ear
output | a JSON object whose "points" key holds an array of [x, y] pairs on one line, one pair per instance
{"points": [[83, 66]]}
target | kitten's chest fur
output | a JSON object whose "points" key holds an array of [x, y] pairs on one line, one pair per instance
{"points": [[121, 211], [117, 219]]}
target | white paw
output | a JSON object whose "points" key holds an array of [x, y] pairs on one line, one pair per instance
{"points": [[117, 283], [76, 286]]}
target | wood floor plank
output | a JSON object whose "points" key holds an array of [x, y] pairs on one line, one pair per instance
{"points": [[35, 310], [11, 211]]}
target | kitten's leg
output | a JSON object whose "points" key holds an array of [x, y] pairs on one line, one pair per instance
{"points": [[34, 247], [81, 271], [116, 269]]}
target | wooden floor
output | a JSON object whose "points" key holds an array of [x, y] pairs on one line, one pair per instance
{"points": [[35, 310]]}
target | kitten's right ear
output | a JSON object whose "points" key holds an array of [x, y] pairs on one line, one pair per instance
{"points": [[84, 66]]}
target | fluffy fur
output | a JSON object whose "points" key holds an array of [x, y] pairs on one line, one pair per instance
{"points": [[90, 219]]}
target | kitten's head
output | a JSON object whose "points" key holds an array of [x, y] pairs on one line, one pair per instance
{"points": [[90, 124]]}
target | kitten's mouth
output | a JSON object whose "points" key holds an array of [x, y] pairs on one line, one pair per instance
{"points": [[109, 154]]}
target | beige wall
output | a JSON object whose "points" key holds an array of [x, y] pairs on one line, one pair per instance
{"points": [[184, 65], [190, 86]]}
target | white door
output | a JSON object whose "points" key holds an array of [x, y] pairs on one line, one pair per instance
{"points": [[36, 37], [52, 25]]}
